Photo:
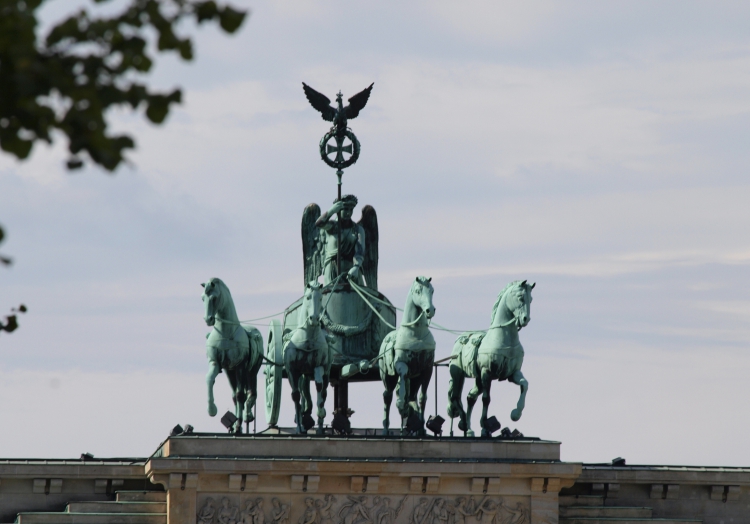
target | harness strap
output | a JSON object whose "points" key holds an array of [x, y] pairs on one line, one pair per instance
{"points": [[354, 287]]}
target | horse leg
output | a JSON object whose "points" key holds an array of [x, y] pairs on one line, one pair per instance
{"points": [[471, 399], [518, 378], [234, 383], [426, 377], [389, 383], [321, 384], [455, 387], [251, 397], [213, 371], [402, 402], [294, 383], [486, 384], [306, 406]]}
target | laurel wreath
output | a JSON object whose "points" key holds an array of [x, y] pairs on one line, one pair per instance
{"points": [[346, 163]]}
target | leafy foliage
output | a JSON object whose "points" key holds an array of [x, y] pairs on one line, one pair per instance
{"points": [[86, 65], [3, 259], [11, 321]]}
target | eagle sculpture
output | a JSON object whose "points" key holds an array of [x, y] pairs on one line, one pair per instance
{"points": [[338, 115]]}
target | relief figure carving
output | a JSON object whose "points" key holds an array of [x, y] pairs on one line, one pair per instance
{"points": [[439, 513], [324, 509], [519, 515], [488, 510], [253, 513], [207, 512], [388, 515], [280, 512], [310, 514], [228, 514], [355, 511], [419, 515]]}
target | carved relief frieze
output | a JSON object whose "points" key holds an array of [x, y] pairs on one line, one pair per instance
{"points": [[360, 509]]}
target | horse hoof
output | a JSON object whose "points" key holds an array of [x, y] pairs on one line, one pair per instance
{"points": [[486, 434], [515, 415], [212, 410], [469, 433]]}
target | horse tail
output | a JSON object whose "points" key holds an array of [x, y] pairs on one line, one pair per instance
{"points": [[456, 381], [256, 349]]}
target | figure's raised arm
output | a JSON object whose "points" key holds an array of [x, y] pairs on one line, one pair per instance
{"points": [[323, 221]]}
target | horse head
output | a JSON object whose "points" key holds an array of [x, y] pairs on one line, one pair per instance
{"points": [[518, 300], [313, 302], [421, 295], [212, 299]]}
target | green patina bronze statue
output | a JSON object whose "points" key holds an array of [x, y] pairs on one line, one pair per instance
{"points": [[328, 244], [230, 347], [307, 357], [341, 329], [339, 115], [406, 358], [495, 354]]}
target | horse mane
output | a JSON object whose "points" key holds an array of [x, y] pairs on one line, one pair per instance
{"points": [[424, 281], [224, 294], [500, 297]]}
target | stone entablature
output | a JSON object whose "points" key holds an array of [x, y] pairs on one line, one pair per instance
{"points": [[48, 485], [407, 481], [713, 495], [278, 480]]}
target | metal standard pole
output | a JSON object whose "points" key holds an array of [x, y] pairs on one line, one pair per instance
{"points": [[436, 368], [339, 173]]}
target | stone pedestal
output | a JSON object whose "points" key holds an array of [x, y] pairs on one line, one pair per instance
{"points": [[360, 480]]}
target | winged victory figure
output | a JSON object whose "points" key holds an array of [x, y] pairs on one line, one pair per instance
{"points": [[359, 242], [338, 115]]}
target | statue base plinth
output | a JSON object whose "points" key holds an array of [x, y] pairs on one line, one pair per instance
{"points": [[283, 479]]}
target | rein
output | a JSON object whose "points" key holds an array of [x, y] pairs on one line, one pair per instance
{"points": [[359, 290]]}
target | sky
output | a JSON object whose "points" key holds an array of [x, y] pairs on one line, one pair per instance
{"points": [[598, 149]]}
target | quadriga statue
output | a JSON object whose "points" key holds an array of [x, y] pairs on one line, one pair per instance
{"points": [[495, 354], [233, 348]]}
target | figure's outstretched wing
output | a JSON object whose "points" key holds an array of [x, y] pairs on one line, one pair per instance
{"points": [[357, 102], [311, 244], [369, 223], [321, 102]]}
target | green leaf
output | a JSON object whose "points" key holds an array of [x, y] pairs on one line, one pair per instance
{"points": [[205, 11], [11, 324], [74, 163], [158, 106], [231, 20]]}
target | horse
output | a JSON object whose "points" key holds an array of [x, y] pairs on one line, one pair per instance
{"points": [[493, 354], [233, 348], [307, 356], [406, 358]]}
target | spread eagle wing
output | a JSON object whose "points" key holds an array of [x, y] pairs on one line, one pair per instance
{"points": [[356, 103], [311, 246], [369, 223], [322, 103]]}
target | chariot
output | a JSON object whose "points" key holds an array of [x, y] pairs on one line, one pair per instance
{"points": [[355, 317]]}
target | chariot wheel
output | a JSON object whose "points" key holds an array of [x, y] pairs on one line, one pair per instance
{"points": [[273, 372]]}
